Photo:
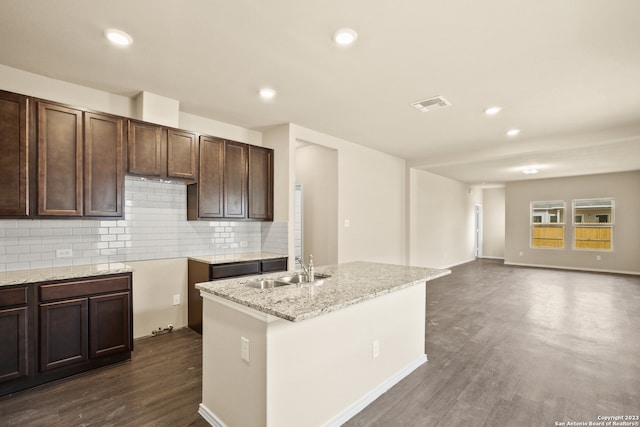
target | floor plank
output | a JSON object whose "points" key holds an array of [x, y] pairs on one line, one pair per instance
{"points": [[521, 346], [506, 345], [160, 386]]}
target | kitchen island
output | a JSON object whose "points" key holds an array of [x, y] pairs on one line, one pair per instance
{"points": [[311, 355]]}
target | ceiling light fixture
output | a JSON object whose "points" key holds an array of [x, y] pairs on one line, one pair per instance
{"points": [[345, 36], [492, 111], [267, 93], [530, 171], [513, 132], [118, 37]]}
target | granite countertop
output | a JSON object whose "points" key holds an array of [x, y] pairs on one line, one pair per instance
{"points": [[349, 284], [36, 275], [224, 259]]}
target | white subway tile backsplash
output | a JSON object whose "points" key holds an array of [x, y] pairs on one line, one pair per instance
{"points": [[154, 227]]}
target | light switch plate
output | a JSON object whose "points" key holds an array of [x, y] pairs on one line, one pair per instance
{"points": [[375, 349], [244, 349]]}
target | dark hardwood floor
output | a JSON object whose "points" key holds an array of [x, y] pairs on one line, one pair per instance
{"points": [[160, 386], [521, 347], [506, 346]]}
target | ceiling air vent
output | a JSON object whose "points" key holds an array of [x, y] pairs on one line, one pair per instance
{"points": [[435, 103]]}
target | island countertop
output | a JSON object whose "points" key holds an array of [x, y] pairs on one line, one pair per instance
{"points": [[349, 284]]}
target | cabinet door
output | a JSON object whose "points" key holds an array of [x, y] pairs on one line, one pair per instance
{"points": [[59, 160], [63, 333], [182, 149], [210, 182], [235, 179], [13, 344], [103, 173], [260, 183], [110, 324], [146, 148], [13, 155]]}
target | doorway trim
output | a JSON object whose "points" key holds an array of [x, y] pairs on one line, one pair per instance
{"points": [[477, 230]]}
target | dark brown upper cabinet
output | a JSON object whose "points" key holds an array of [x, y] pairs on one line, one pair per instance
{"points": [[205, 199], [14, 154], [182, 153], [260, 201], [145, 149], [235, 182], [235, 179], [80, 169], [155, 151], [60, 154], [103, 171]]}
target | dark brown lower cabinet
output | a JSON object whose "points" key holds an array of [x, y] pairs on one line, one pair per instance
{"points": [[14, 335], [110, 324], [13, 344], [63, 333], [53, 330], [199, 272]]}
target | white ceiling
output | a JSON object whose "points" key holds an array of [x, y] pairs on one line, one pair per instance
{"points": [[567, 73]]}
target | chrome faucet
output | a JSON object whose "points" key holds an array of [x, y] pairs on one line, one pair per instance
{"points": [[309, 270]]}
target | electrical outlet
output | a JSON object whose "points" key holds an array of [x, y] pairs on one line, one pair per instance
{"points": [[521, 253], [347, 223], [176, 299], [64, 253], [244, 349], [598, 258], [375, 347]]}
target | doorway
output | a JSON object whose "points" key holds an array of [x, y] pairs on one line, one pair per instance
{"points": [[298, 225], [317, 175]]}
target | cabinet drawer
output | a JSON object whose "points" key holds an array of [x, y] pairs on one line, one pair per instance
{"points": [[13, 296], [278, 264], [222, 271], [80, 288]]}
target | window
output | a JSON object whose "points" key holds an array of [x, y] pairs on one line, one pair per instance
{"points": [[593, 225], [547, 224]]}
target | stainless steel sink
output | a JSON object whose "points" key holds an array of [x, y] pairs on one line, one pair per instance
{"points": [[287, 280], [266, 284], [302, 278]]}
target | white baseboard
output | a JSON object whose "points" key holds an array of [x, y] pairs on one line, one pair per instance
{"points": [[352, 410], [491, 257], [458, 263], [563, 267], [363, 402], [209, 416]]}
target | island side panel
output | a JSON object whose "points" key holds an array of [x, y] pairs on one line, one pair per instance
{"points": [[320, 369], [233, 390]]}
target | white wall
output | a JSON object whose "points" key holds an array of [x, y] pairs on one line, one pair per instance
{"points": [[154, 285], [623, 187], [371, 195], [14, 80], [442, 220], [493, 218], [317, 170]]}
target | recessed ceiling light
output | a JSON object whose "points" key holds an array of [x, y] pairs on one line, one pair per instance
{"points": [[492, 110], [267, 93], [118, 37], [530, 171], [513, 132], [345, 36]]}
